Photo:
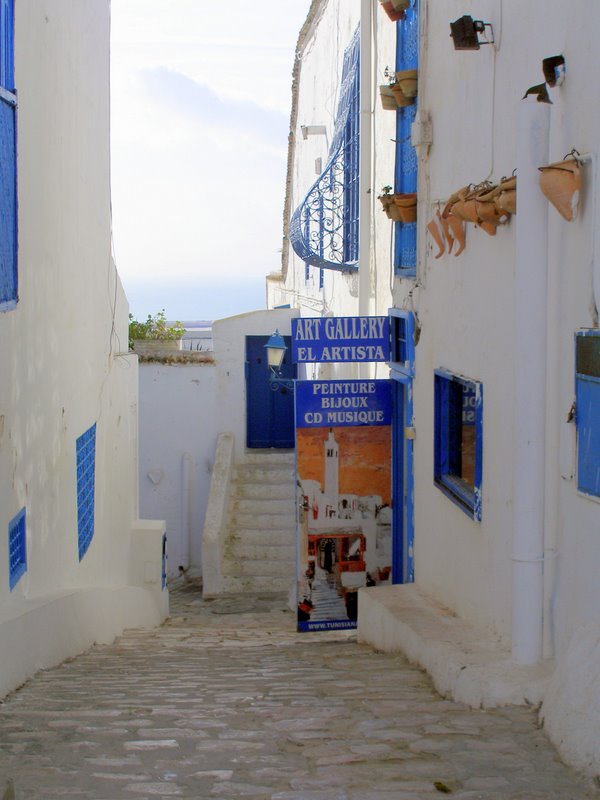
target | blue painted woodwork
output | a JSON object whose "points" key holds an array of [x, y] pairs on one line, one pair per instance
{"points": [[86, 483], [458, 450], [587, 404], [269, 414], [7, 39], [324, 227], [401, 372], [405, 179], [8, 161], [17, 549]]}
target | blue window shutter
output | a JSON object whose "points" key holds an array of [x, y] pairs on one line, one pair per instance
{"points": [[405, 180], [587, 404], [8, 160], [8, 206]]}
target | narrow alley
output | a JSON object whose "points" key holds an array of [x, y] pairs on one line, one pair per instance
{"points": [[227, 700]]}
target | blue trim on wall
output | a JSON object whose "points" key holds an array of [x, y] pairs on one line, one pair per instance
{"points": [[406, 172], [587, 410], [17, 549], [86, 485], [402, 370], [449, 418]]}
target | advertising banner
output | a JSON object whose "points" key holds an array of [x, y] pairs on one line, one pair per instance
{"points": [[324, 339], [343, 452]]}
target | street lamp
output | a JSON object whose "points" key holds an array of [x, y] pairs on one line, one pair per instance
{"points": [[276, 348]]}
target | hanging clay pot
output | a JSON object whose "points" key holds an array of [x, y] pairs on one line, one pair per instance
{"points": [[401, 99], [391, 209], [407, 206], [561, 184], [388, 99], [507, 201], [389, 9], [407, 80]]}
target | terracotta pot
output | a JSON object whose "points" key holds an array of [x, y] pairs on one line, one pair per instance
{"points": [[401, 98], [400, 5], [507, 201], [389, 9], [391, 209], [561, 183], [388, 99], [407, 206], [407, 79]]}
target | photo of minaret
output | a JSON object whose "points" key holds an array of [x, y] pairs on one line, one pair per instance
{"points": [[344, 480]]}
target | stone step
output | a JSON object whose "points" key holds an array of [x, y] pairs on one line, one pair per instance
{"points": [[264, 473], [241, 519], [260, 568], [274, 537], [281, 491], [270, 457], [264, 505], [240, 585], [242, 550]]}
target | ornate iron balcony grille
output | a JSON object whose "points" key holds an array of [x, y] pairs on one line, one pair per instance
{"points": [[324, 227]]}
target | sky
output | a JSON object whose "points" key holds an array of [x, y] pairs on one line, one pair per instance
{"points": [[200, 107]]}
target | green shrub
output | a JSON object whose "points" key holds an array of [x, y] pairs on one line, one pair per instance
{"points": [[155, 327]]}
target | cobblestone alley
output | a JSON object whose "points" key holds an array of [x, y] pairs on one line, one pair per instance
{"points": [[227, 701]]}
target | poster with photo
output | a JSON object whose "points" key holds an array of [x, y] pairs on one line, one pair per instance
{"points": [[343, 452]]}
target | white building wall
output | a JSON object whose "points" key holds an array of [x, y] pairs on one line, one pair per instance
{"points": [[465, 308], [178, 407], [62, 358]]}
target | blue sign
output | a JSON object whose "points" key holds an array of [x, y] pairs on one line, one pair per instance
{"points": [[324, 339], [331, 404]]}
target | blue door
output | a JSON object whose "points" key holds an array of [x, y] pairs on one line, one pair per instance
{"points": [[269, 413], [402, 364]]}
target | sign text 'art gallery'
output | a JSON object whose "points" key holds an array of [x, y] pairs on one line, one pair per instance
{"points": [[339, 403], [322, 339]]}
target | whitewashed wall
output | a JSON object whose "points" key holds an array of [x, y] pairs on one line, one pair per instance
{"points": [[178, 408], [465, 309], [61, 361], [183, 409]]}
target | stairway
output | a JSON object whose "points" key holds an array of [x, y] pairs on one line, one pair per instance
{"points": [[260, 552]]}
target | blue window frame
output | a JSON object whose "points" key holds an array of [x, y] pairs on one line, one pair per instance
{"points": [[17, 549], [458, 439], [406, 174], [8, 160], [587, 415], [86, 470], [402, 332], [324, 227]]}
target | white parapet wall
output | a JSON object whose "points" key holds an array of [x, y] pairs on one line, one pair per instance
{"points": [[215, 524]]}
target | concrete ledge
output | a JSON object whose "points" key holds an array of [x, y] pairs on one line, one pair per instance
{"points": [[464, 664]]}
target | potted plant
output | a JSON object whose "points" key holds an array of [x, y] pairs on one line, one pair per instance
{"points": [[154, 335], [386, 198]]}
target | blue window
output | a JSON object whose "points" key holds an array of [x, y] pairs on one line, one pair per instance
{"points": [[17, 549], [405, 179], [86, 469], [402, 331], [587, 405], [458, 440], [324, 227], [8, 160]]}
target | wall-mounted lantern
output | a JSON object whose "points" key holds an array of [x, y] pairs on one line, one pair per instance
{"points": [[465, 33], [554, 70], [276, 349]]}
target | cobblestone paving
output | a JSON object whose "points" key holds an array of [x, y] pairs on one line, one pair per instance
{"points": [[227, 701]]}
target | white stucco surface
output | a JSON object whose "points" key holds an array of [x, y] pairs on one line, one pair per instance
{"points": [[64, 362], [466, 309]]}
